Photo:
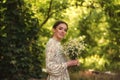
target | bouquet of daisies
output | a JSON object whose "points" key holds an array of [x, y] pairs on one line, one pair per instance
{"points": [[74, 47]]}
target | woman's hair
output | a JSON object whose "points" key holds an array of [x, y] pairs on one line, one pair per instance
{"points": [[58, 23]]}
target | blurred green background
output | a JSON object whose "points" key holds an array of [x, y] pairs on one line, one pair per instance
{"points": [[25, 27]]}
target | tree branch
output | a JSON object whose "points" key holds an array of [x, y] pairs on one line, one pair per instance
{"points": [[48, 14]]}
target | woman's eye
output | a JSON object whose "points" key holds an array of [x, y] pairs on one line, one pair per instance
{"points": [[60, 28]]}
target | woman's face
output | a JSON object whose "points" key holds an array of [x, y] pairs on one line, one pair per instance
{"points": [[60, 31]]}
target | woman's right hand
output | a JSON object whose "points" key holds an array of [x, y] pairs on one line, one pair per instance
{"points": [[72, 63]]}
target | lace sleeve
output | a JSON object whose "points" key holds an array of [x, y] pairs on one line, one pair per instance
{"points": [[52, 65]]}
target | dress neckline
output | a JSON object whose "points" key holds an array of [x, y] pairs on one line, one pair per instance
{"points": [[55, 40]]}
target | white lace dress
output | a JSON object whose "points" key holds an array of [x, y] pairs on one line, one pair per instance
{"points": [[55, 61]]}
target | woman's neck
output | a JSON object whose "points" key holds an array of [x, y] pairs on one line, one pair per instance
{"points": [[55, 38]]}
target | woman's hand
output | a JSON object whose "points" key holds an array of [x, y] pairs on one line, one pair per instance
{"points": [[73, 63]]}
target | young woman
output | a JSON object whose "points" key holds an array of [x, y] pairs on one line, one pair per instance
{"points": [[56, 63]]}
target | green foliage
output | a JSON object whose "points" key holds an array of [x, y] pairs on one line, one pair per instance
{"points": [[47, 9], [19, 57], [100, 27], [94, 62]]}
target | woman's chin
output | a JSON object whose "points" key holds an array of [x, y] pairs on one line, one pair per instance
{"points": [[60, 38]]}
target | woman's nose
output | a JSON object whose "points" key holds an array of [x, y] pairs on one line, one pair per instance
{"points": [[63, 31]]}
